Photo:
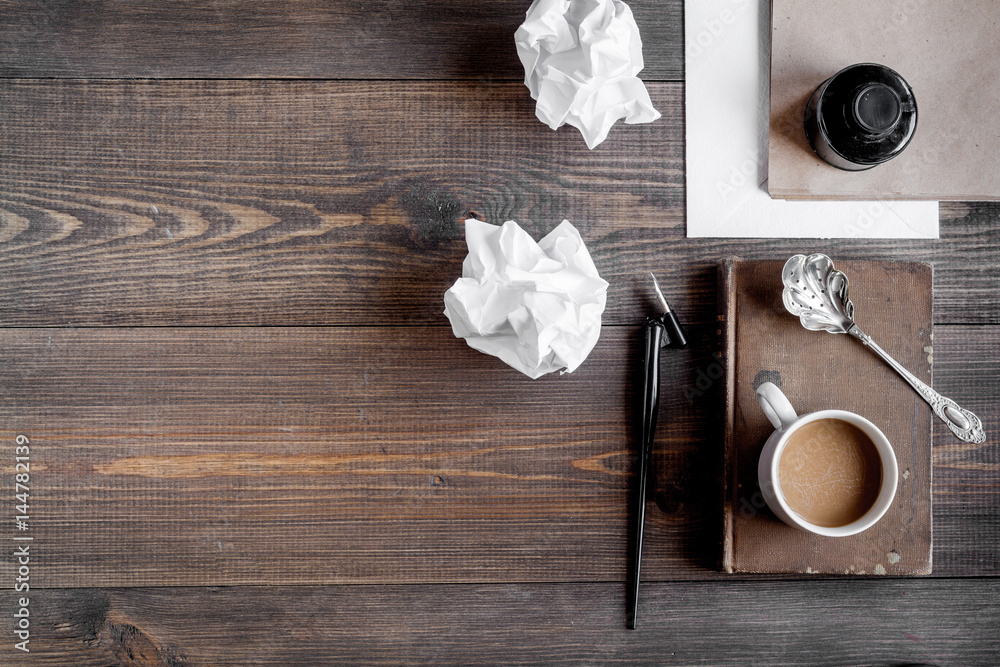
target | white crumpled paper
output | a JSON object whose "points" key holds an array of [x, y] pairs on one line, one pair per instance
{"points": [[581, 58], [536, 306]]}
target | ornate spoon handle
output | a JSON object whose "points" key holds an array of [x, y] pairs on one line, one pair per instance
{"points": [[964, 424]]}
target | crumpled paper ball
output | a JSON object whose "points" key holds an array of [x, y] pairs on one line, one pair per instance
{"points": [[536, 306], [581, 58]]}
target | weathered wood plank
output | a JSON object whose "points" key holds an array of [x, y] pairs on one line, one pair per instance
{"points": [[966, 369], [776, 623], [229, 456], [119, 204], [296, 203], [377, 39]]}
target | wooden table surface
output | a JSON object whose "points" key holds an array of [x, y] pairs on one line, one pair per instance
{"points": [[225, 233]]}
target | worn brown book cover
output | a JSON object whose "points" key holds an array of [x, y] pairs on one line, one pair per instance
{"points": [[949, 53], [816, 370]]}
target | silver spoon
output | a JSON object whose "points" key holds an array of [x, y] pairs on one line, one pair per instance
{"points": [[817, 294]]}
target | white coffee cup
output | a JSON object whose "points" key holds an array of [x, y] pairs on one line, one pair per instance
{"points": [[782, 416]]}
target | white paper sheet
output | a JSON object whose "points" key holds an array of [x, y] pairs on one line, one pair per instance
{"points": [[727, 74], [536, 306], [581, 58]]}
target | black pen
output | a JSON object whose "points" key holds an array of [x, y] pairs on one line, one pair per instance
{"points": [[662, 331]]}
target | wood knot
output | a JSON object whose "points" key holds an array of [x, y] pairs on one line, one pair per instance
{"points": [[473, 214], [132, 646]]}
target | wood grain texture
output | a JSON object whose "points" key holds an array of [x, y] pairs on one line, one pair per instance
{"points": [[385, 450], [380, 39], [229, 456], [299, 203], [776, 623], [966, 370]]}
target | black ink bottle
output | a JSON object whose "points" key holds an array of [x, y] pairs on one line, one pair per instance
{"points": [[860, 117]]}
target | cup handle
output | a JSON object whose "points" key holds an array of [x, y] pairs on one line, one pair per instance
{"points": [[774, 404]]}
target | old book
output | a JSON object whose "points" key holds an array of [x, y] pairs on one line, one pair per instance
{"points": [[949, 53], [816, 370]]}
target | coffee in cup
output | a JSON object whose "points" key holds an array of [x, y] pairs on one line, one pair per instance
{"points": [[831, 472]]}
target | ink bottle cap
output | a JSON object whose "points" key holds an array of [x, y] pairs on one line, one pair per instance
{"points": [[860, 117]]}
